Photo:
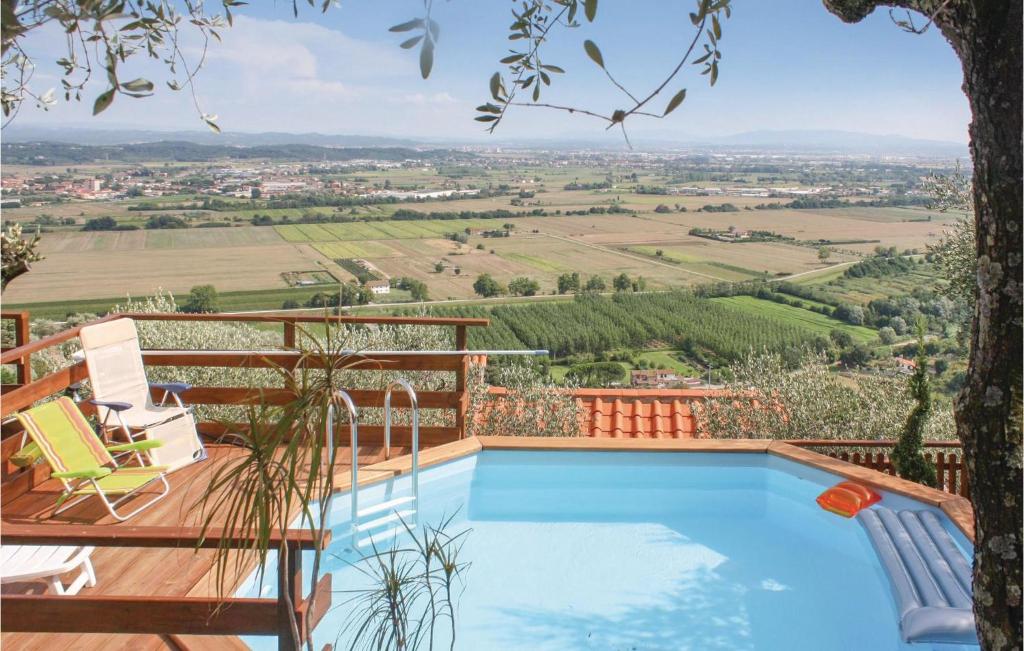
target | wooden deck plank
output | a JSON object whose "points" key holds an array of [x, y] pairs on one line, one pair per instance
{"points": [[142, 571]]}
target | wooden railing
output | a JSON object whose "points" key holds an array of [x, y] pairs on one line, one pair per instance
{"points": [[169, 615], [25, 394], [950, 469]]}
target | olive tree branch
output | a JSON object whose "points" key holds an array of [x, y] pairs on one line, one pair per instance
{"points": [[705, 22], [531, 54], [675, 71]]}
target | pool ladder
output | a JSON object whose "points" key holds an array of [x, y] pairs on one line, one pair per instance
{"points": [[391, 517]]}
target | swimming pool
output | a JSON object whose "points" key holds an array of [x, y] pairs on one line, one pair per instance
{"points": [[640, 550]]}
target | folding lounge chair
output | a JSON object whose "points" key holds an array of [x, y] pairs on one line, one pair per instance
{"points": [[28, 562], [120, 390], [83, 464]]}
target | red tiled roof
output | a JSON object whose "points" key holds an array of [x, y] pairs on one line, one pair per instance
{"points": [[640, 413], [637, 413]]}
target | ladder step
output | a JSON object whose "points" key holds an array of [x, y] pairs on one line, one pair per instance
{"points": [[394, 516], [384, 506], [382, 535]]}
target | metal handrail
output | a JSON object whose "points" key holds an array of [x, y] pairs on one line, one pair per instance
{"points": [[353, 426], [413, 404]]}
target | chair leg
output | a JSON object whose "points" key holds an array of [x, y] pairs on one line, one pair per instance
{"points": [[121, 518], [57, 586], [87, 577], [58, 508], [90, 572]]}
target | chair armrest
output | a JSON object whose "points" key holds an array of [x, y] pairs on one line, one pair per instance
{"points": [[112, 405], [88, 473], [26, 456], [172, 387], [137, 446]]}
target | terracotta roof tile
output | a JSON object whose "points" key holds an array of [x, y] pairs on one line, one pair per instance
{"points": [[637, 413], [640, 413]]}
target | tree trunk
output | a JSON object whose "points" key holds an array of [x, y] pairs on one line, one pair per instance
{"points": [[989, 408], [986, 35]]}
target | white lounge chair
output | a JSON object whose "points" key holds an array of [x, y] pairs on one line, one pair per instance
{"points": [[121, 391], [28, 562]]}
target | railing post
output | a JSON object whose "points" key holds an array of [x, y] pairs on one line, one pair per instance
{"points": [[461, 343], [289, 581], [289, 334], [22, 334]]}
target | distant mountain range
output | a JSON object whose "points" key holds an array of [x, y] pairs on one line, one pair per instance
{"points": [[789, 141], [846, 141], [65, 153], [17, 133]]}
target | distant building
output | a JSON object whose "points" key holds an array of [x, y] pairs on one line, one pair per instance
{"points": [[904, 365], [653, 378], [379, 286]]}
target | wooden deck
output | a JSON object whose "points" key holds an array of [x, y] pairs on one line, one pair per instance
{"points": [[136, 571]]}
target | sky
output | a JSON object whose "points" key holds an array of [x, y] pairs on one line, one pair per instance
{"points": [[787, 64]]}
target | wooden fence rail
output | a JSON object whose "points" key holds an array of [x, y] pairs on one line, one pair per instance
{"points": [[169, 615], [950, 469]]}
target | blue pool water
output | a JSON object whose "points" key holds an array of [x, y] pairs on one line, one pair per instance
{"points": [[636, 551]]}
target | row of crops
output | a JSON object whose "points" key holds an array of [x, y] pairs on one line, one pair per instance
{"points": [[598, 323], [384, 230]]}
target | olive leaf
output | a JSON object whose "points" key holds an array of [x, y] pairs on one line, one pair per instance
{"points": [[593, 52], [674, 103], [103, 102]]}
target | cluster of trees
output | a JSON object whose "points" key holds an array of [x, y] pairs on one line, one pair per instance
{"points": [[808, 203], [404, 214], [485, 285], [599, 210], [349, 294], [724, 207], [461, 238], [572, 283], [158, 222], [599, 185], [523, 286], [417, 288], [155, 222], [650, 189], [107, 224], [878, 266], [596, 374], [202, 299], [49, 220]]}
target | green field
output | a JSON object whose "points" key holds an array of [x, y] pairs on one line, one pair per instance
{"points": [[267, 299], [812, 321], [861, 291], [391, 230], [364, 249], [540, 264], [669, 359], [698, 264], [655, 358]]}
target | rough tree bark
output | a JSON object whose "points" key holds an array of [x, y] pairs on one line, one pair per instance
{"points": [[986, 35]]}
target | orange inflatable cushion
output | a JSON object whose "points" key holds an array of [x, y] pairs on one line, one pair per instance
{"points": [[847, 498]]}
